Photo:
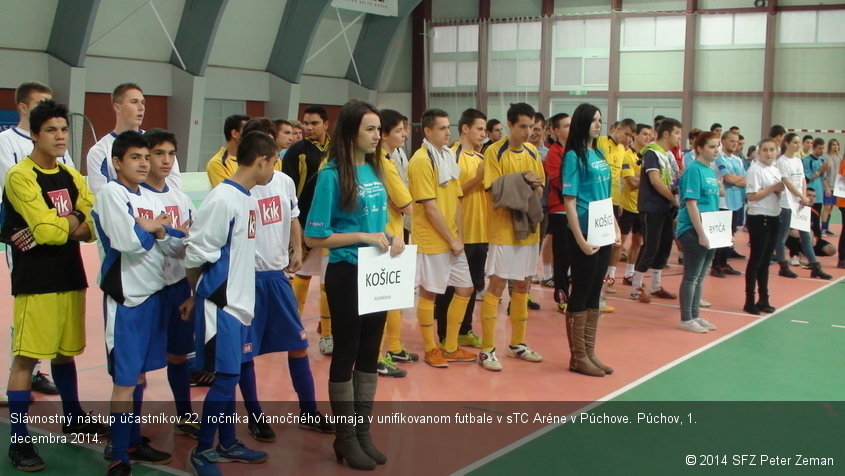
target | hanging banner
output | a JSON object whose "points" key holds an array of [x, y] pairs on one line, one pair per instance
{"points": [[386, 282], [601, 226], [717, 228], [388, 8]]}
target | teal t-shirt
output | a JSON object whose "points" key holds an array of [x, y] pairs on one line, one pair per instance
{"points": [[587, 183], [326, 216], [698, 182]]}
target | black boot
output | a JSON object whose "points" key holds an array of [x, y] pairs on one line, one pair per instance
{"points": [[763, 304], [750, 307], [785, 271], [816, 271]]}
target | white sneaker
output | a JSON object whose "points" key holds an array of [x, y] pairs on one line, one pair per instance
{"points": [[522, 351], [706, 324], [794, 261], [703, 303], [489, 361], [4, 400], [480, 296], [692, 326], [326, 345]]}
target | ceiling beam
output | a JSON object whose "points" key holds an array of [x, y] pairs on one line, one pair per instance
{"points": [[195, 37], [71, 30], [294, 38]]}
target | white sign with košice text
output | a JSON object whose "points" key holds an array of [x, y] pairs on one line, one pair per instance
{"points": [[717, 228], [800, 217], [384, 282], [601, 225]]}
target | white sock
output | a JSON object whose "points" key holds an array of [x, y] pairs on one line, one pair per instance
{"points": [[656, 274], [638, 280], [547, 271], [611, 272], [629, 270]]}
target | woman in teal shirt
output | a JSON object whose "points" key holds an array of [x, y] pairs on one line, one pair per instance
{"points": [[699, 193], [349, 211], [586, 178]]}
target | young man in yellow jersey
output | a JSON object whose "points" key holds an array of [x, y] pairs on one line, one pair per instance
{"points": [[438, 232], [629, 221], [614, 147], [510, 258], [474, 205], [224, 163]]}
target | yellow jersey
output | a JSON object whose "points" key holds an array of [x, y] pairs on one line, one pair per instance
{"points": [[475, 202], [398, 195], [614, 154], [501, 160], [424, 186], [223, 165], [631, 166]]}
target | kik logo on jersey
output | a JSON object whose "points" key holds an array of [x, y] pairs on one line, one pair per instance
{"points": [[270, 209], [145, 213], [61, 201], [175, 215], [250, 227]]}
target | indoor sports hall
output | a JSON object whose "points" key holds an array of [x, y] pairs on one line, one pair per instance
{"points": [[760, 389]]}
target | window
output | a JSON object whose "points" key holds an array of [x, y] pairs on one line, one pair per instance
{"points": [[515, 36], [454, 39], [580, 55], [650, 33], [811, 27], [741, 29]]}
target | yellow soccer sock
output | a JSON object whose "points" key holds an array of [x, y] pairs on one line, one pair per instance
{"points": [[300, 291], [325, 314], [489, 311], [392, 330], [454, 317], [425, 316], [519, 317]]}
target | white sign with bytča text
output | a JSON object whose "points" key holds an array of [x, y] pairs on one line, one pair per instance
{"points": [[717, 228]]}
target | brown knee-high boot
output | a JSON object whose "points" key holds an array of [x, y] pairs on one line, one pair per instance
{"points": [[346, 445], [583, 364], [590, 339], [365, 392]]}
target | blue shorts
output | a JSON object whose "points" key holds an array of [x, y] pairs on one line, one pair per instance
{"points": [[831, 200], [276, 326], [221, 339], [135, 338], [180, 333]]}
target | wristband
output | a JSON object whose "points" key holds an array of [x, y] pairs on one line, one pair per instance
{"points": [[79, 216]]}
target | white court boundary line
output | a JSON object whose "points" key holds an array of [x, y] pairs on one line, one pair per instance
{"points": [[542, 431]]}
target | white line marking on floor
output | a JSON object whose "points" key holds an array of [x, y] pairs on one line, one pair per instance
{"points": [[542, 431], [834, 325], [799, 322]]}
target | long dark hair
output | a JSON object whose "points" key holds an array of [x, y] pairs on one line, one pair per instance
{"points": [[579, 130], [342, 150], [786, 140]]}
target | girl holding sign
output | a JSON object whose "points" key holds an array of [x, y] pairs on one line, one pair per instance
{"points": [[699, 193], [586, 178], [764, 186], [350, 210]]}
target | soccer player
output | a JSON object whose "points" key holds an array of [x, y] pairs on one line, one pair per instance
{"points": [[134, 236], [176, 294], [629, 220], [586, 178], [494, 133], [438, 232], [474, 210], [284, 136], [224, 163], [732, 171], [393, 138], [561, 238], [220, 261], [350, 210], [304, 159], [47, 207], [657, 206], [129, 104], [699, 193], [509, 257], [15, 145]]}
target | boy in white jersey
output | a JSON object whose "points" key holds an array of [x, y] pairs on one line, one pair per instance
{"points": [[135, 236], [129, 104], [15, 145], [176, 294], [220, 262]]}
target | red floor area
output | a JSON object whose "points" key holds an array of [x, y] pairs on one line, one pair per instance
{"points": [[636, 340]]}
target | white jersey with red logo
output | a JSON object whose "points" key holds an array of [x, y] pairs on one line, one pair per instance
{"points": [[132, 259], [222, 242], [181, 211], [277, 207], [101, 170]]}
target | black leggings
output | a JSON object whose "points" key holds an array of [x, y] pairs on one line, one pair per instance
{"points": [[562, 246], [658, 235], [476, 258], [587, 278], [762, 231], [356, 338]]}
